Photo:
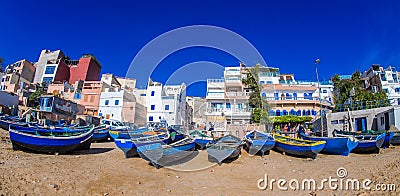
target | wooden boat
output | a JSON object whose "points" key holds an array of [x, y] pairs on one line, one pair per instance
{"points": [[200, 139], [44, 142], [100, 133], [366, 143], [54, 131], [176, 133], [298, 147], [129, 146], [388, 135], [161, 155], [335, 145], [224, 148], [257, 141], [6, 122]]}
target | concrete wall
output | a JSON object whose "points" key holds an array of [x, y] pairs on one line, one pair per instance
{"points": [[370, 115]]}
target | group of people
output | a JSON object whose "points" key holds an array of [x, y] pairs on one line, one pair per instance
{"points": [[297, 129]]}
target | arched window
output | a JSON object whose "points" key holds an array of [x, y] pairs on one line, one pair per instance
{"points": [[292, 112], [278, 113], [298, 113], [284, 112], [271, 113], [304, 112], [313, 112]]}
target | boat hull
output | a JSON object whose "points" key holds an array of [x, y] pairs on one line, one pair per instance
{"points": [[50, 144], [370, 146], [201, 143], [165, 155], [258, 142], [225, 148], [395, 140], [298, 147], [336, 145]]}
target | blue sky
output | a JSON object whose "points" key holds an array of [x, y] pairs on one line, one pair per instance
{"points": [[346, 35]]}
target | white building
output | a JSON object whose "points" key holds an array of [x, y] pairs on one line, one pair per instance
{"points": [[116, 103], [385, 79], [167, 103], [47, 65]]}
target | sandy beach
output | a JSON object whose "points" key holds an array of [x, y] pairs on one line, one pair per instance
{"points": [[103, 170]]}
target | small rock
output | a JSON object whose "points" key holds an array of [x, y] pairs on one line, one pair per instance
{"points": [[77, 156], [56, 154], [294, 170], [139, 182], [212, 171], [1, 162], [169, 190], [273, 167], [290, 160], [105, 194], [177, 176], [16, 157]]}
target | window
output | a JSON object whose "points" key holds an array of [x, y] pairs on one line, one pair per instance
{"points": [[3, 79], [334, 122], [310, 96], [150, 118], [50, 69], [324, 91], [262, 82], [239, 106], [228, 105], [382, 120], [100, 114], [341, 121], [152, 93], [263, 95], [107, 102], [7, 78], [152, 107], [47, 80], [386, 90], [276, 95], [142, 95], [77, 96], [295, 96], [106, 122], [116, 102], [166, 107], [159, 117], [397, 90]]}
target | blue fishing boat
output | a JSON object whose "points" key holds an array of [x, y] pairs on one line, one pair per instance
{"points": [[366, 143], [47, 143], [386, 143], [129, 146], [259, 142], [396, 138], [200, 139], [176, 133], [161, 155], [225, 148], [298, 147], [5, 122], [335, 145], [100, 133]]}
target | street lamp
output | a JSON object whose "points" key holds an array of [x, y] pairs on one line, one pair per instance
{"points": [[319, 96]]}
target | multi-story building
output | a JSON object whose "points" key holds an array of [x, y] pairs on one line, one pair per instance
{"points": [[55, 57], [17, 76], [166, 103], [128, 84], [199, 107], [87, 69], [227, 98], [53, 66], [377, 78], [117, 103]]}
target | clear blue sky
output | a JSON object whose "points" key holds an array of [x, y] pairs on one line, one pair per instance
{"points": [[346, 35]]}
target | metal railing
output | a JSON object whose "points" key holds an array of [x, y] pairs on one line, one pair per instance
{"points": [[361, 105]]}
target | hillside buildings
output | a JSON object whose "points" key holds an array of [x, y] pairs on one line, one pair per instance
{"points": [[17, 76], [167, 103]]}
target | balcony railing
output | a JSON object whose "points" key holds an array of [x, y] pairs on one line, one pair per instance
{"points": [[237, 94], [215, 80], [229, 110]]}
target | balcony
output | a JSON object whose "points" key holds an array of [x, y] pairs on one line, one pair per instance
{"points": [[215, 84], [229, 112], [233, 82], [237, 95], [215, 95]]}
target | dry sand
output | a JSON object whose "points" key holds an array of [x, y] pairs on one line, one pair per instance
{"points": [[103, 170]]}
